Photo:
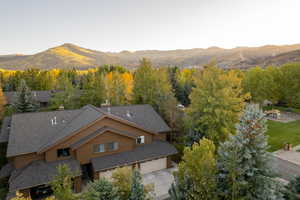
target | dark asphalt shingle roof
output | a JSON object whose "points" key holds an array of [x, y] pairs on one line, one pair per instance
{"points": [[34, 132], [38, 173], [145, 152], [39, 96], [5, 128], [142, 115], [6, 170], [29, 131], [99, 132], [87, 115]]}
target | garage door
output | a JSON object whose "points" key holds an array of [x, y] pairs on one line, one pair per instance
{"points": [[106, 174], [153, 165]]}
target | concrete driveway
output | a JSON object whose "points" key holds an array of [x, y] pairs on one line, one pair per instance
{"points": [[287, 163], [161, 180]]}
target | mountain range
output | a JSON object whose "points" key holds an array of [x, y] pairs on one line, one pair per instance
{"points": [[70, 55]]}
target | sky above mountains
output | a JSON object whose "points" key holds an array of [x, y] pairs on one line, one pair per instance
{"points": [[31, 26]]}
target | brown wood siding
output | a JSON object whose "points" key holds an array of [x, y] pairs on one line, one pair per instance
{"points": [[86, 152], [23, 160], [51, 154], [161, 136]]}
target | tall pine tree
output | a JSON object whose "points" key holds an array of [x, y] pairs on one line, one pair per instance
{"points": [[137, 187], [24, 100], [243, 164]]}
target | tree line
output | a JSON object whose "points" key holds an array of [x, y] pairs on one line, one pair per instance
{"points": [[222, 142]]}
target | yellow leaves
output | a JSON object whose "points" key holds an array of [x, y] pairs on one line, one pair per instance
{"points": [[20, 196], [128, 80], [217, 101], [72, 56]]}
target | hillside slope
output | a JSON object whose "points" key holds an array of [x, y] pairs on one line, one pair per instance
{"points": [[70, 55]]}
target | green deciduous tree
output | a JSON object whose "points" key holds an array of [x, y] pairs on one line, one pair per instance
{"points": [[197, 172], [67, 95], [93, 90], [62, 184], [263, 84], [244, 170], [24, 101], [122, 180], [115, 89], [101, 189], [216, 103], [2, 103], [151, 86]]}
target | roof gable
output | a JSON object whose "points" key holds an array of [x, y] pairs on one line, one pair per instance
{"points": [[86, 117], [99, 132], [33, 132]]}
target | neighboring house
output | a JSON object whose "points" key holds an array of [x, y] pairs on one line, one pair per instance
{"points": [[41, 97], [92, 141]]}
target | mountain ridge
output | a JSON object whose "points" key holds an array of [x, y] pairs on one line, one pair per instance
{"points": [[70, 55]]}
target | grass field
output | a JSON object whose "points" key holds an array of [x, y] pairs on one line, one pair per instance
{"points": [[281, 133]]}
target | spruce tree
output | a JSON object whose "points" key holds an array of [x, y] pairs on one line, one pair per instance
{"points": [[243, 164], [292, 190], [24, 101], [137, 187]]}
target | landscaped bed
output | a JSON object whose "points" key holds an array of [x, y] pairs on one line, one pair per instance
{"points": [[281, 133]]}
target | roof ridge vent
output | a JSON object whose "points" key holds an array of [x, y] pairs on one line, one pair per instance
{"points": [[128, 114], [108, 110], [54, 121]]}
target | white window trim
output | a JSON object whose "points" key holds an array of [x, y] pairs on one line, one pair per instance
{"points": [[142, 139], [98, 149]]}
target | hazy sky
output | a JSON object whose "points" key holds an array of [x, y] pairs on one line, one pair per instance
{"points": [[29, 26]]}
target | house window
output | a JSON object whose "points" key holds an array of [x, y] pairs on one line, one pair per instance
{"points": [[112, 146], [99, 148], [140, 140], [63, 152]]}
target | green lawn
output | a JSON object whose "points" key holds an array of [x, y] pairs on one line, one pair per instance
{"points": [[281, 133]]}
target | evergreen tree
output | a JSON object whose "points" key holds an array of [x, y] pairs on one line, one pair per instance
{"points": [[101, 189], [137, 187], [244, 171], [62, 184], [292, 190], [181, 190], [24, 101]]}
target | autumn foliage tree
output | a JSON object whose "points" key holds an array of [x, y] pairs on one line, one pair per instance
{"points": [[196, 173], [2, 103], [216, 103]]}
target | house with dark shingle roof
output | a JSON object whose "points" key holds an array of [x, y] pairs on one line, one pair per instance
{"points": [[91, 141], [42, 97]]}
